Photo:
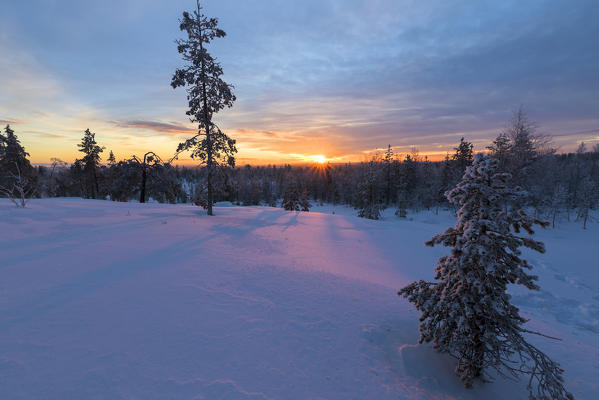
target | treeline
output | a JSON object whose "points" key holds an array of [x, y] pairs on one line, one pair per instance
{"points": [[557, 185]]}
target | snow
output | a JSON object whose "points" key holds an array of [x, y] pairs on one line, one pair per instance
{"points": [[104, 300]]}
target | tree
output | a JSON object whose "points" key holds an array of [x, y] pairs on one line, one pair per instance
{"points": [[293, 201], [463, 155], [586, 199], [207, 94], [150, 160], [526, 145], [500, 149], [19, 190], [368, 198], [559, 200], [111, 158], [17, 176], [388, 160], [468, 313], [90, 163]]}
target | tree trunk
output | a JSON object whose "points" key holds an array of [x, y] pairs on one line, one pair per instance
{"points": [[96, 188], [207, 128], [142, 193]]}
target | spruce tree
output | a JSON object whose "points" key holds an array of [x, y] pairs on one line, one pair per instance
{"points": [[111, 158], [12, 154], [463, 155], [16, 172], [368, 197], [304, 202], [467, 312], [291, 198], [388, 160], [3, 143], [500, 149], [207, 94], [90, 163]]}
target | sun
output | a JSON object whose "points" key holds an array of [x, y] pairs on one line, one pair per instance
{"points": [[320, 159]]}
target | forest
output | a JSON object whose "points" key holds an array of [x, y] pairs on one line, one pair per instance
{"points": [[559, 186]]}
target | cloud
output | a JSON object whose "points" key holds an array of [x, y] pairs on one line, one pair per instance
{"points": [[170, 128], [49, 135], [9, 121]]}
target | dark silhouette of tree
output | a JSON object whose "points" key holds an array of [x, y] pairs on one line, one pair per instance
{"points": [[463, 155], [150, 160], [111, 159], [90, 163], [17, 176], [207, 94]]}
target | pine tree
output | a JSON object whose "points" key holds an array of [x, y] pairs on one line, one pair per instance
{"points": [[291, 198], [90, 163], [500, 149], [13, 154], [559, 200], [463, 155], [522, 134], [468, 313], [586, 199], [304, 202], [207, 94], [17, 176], [388, 160], [369, 200], [3, 143], [111, 158]]}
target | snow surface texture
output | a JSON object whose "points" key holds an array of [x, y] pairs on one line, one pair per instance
{"points": [[103, 300]]}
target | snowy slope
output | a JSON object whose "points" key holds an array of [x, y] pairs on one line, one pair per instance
{"points": [[102, 300]]}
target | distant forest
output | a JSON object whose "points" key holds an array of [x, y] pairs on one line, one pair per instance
{"points": [[558, 186]]}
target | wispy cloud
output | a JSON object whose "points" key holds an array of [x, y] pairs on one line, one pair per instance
{"points": [[170, 128]]}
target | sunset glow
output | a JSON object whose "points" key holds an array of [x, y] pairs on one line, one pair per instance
{"points": [[320, 159]]}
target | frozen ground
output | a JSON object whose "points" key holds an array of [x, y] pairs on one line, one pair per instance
{"points": [[102, 300]]}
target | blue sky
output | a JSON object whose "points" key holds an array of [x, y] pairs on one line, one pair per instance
{"points": [[338, 78]]}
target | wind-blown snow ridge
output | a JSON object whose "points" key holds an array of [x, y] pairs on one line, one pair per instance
{"points": [[123, 300]]}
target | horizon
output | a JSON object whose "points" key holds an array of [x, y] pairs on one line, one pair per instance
{"points": [[336, 82]]}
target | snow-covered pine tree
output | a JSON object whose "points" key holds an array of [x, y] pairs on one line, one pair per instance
{"points": [[207, 94], [13, 155], [17, 176], [468, 313]]}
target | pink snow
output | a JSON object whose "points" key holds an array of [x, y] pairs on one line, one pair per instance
{"points": [[146, 301]]}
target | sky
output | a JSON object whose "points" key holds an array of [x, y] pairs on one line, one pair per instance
{"points": [[314, 79]]}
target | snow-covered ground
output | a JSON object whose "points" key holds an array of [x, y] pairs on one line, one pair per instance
{"points": [[103, 300]]}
